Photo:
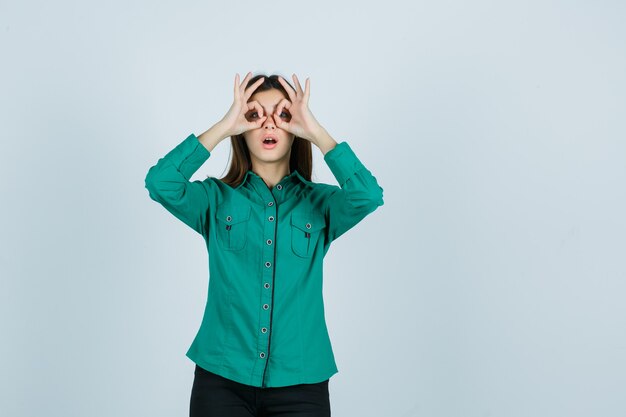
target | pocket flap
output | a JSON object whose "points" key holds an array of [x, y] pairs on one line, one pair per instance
{"points": [[308, 222], [232, 214]]}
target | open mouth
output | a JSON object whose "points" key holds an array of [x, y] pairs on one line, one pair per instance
{"points": [[269, 143]]}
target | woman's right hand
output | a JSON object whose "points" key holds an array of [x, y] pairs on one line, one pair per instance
{"points": [[235, 122]]}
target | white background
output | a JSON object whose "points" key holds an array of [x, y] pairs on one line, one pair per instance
{"points": [[491, 283]]}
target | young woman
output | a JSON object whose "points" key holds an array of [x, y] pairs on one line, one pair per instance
{"points": [[263, 347]]}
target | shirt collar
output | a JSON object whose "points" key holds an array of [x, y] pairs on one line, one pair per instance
{"points": [[287, 181]]}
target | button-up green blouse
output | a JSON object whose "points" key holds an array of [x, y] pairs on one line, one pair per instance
{"points": [[264, 322]]}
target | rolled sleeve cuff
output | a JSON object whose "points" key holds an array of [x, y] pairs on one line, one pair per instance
{"points": [[343, 162]]}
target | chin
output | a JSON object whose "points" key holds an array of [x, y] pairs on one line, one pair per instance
{"points": [[271, 158]]}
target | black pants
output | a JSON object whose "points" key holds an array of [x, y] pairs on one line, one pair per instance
{"points": [[215, 396]]}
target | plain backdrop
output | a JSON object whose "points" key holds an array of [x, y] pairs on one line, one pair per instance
{"points": [[491, 283]]}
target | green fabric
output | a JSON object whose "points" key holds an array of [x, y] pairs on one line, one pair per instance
{"points": [[266, 249]]}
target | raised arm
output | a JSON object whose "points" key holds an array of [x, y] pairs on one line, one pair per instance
{"points": [[168, 181], [358, 193]]}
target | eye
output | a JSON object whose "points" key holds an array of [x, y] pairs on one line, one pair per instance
{"points": [[284, 114], [253, 115]]}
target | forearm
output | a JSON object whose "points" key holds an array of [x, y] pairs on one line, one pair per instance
{"points": [[214, 135], [323, 140]]}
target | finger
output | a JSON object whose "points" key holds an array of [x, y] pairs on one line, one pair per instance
{"points": [[255, 105], [281, 123], [284, 103], [290, 91], [297, 84], [240, 87], [250, 90], [245, 81], [258, 123], [237, 86], [307, 91]]}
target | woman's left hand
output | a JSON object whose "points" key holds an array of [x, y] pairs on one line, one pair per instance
{"points": [[302, 123]]}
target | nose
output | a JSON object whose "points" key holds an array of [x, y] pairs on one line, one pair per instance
{"points": [[269, 123]]}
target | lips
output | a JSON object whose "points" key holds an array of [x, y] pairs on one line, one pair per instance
{"points": [[269, 141]]}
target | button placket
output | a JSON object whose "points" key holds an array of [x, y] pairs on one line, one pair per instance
{"points": [[268, 260]]}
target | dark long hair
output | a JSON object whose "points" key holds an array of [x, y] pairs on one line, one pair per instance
{"points": [[300, 160]]}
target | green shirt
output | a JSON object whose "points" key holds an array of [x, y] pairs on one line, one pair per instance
{"points": [[264, 322]]}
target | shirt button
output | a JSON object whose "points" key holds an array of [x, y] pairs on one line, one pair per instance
{"points": [[228, 218], [266, 306], [262, 355], [271, 203], [308, 225], [270, 218], [279, 187], [263, 330], [267, 285], [269, 241], [268, 264]]}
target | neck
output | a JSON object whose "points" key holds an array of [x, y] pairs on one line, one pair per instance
{"points": [[271, 172]]}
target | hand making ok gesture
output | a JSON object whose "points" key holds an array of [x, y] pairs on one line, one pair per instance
{"points": [[302, 122]]}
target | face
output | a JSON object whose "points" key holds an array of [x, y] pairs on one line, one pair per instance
{"points": [[277, 150]]}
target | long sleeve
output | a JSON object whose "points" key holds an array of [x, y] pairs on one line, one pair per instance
{"points": [[358, 193], [168, 183]]}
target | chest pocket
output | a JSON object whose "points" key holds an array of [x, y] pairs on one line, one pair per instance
{"points": [[232, 226], [305, 232]]}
